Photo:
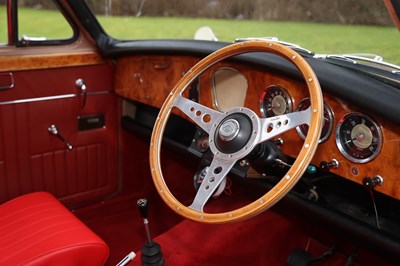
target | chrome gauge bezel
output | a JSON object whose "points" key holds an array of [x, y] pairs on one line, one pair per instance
{"points": [[377, 134], [328, 117], [287, 97]]}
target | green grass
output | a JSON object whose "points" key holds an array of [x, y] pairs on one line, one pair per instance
{"points": [[37, 23], [320, 38]]}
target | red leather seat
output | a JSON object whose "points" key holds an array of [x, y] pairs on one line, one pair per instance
{"points": [[36, 229]]}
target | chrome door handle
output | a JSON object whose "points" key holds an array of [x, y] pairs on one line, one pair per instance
{"points": [[54, 131], [80, 85]]}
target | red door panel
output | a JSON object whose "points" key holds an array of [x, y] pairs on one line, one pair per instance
{"points": [[32, 159]]}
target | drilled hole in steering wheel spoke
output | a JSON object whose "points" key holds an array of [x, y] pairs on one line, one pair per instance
{"points": [[218, 170], [270, 127], [206, 118]]}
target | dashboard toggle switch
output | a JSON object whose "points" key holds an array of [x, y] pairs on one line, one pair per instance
{"points": [[326, 166], [278, 142], [371, 183]]}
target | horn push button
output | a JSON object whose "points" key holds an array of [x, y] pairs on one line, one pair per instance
{"points": [[229, 130], [233, 133]]}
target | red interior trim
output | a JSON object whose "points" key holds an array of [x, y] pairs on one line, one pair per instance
{"points": [[392, 12]]}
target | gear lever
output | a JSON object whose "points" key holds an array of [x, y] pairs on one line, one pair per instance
{"points": [[151, 250]]}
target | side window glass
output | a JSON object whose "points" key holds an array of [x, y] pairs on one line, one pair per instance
{"points": [[3, 22], [40, 21]]}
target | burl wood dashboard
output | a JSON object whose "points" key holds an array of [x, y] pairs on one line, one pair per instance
{"points": [[149, 79]]}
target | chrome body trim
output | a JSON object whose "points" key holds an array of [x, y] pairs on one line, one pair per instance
{"points": [[48, 98]]}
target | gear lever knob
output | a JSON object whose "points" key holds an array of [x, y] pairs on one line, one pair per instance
{"points": [[143, 208]]}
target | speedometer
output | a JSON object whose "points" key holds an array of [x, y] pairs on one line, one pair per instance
{"points": [[358, 137], [275, 100]]}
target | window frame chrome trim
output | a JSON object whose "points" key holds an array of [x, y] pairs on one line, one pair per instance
{"points": [[48, 98]]}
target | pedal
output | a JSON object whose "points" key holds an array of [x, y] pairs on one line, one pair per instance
{"points": [[299, 257]]}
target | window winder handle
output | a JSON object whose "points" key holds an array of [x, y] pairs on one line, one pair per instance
{"points": [[54, 131]]}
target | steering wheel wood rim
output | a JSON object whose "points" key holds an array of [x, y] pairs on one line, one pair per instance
{"points": [[294, 173]]}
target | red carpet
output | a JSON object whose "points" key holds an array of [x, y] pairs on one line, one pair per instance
{"points": [[265, 240]]}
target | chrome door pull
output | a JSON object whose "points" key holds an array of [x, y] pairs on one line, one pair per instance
{"points": [[80, 85], [54, 131]]}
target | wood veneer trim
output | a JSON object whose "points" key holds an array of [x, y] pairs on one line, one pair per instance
{"points": [[27, 62]]}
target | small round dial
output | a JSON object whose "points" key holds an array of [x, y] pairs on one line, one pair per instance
{"points": [[358, 137], [275, 100], [327, 123]]}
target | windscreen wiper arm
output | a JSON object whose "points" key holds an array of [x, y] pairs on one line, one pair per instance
{"points": [[293, 46], [371, 60], [370, 64]]}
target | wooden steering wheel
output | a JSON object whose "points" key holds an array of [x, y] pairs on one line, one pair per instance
{"points": [[234, 134]]}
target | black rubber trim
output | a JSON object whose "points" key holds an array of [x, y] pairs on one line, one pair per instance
{"points": [[90, 23]]}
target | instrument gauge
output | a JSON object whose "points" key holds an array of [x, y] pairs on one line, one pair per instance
{"points": [[275, 100], [327, 125], [358, 137]]}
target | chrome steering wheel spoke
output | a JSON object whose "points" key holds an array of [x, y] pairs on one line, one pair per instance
{"points": [[274, 126], [203, 116], [218, 170]]}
